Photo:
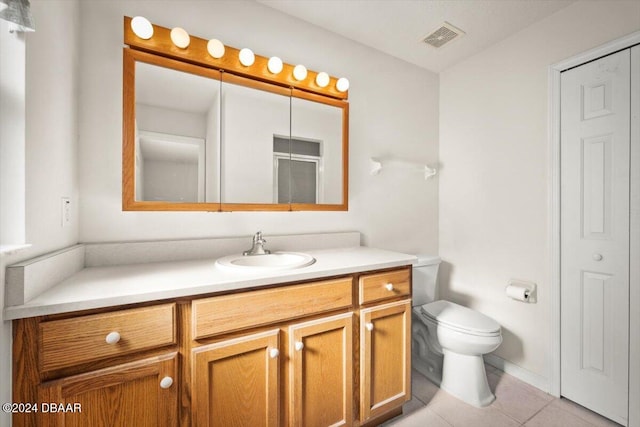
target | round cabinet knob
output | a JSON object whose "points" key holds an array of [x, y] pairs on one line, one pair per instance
{"points": [[389, 286], [369, 326], [273, 353], [298, 345], [112, 337], [597, 257], [166, 382]]}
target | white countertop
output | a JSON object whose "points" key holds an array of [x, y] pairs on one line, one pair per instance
{"points": [[97, 287]]}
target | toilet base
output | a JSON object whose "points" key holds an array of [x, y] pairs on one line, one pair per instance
{"points": [[425, 358], [464, 377], [427, 369]]}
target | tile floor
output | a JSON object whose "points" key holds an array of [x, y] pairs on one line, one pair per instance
{"points": [[517, 404]]}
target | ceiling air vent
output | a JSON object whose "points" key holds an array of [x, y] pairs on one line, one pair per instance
{"points": [[442, 35]]}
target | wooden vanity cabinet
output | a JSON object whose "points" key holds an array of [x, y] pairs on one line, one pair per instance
{"points": [[241, 381], [290, 372], [325, 352], [141, 393], [385, 342], [385, 355], [118, 368], [70, 342], [236, 382], [321, 372]]}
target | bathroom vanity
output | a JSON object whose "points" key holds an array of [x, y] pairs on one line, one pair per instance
{"points": [[274, 350]]}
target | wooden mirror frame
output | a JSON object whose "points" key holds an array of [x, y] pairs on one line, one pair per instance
{"points": [[160, 51]]}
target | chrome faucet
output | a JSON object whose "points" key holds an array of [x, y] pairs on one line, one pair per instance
{"points": [[258, 246]]}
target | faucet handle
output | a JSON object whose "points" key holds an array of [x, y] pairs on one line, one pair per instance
{"points": [[258, 238]]}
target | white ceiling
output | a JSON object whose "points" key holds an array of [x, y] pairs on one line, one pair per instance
{"points": [[397, 27]]}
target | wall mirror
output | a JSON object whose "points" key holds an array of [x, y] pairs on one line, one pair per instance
{"points": [[197, 137], [171, 134]]}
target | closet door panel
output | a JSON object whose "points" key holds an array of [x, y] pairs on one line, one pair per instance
{"points": [[595, 183]]}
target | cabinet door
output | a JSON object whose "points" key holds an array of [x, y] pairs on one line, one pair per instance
{"points": [[321, 372], [385, 357], [142, 394], [236, 382]]}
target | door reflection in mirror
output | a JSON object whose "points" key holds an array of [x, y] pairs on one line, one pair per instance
{"points": [[297, 169], [170, 167], [177, 135]]}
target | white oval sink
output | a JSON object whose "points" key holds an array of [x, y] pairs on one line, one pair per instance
{"points": [[274, 261]]}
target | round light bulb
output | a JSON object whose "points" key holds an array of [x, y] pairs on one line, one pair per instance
{"points": [[300, 72], [274, 65], [247, 57], [141, 27], [215, 48], [180, 37], [322, 79], [343, 84]]}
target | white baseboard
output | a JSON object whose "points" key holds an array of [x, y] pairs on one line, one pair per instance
{"points": [[522, 374]]}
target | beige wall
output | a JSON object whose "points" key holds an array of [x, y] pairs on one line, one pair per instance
{"points": [[495, 180]]}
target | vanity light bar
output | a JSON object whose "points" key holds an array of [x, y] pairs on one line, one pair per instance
{"points": [[176, 43]]}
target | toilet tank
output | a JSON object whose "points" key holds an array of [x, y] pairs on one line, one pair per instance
{"points": [[425, 276]]}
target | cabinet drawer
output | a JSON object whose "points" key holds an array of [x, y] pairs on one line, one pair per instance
{"points": [[381, 286], [256, 308], [84, 339]]}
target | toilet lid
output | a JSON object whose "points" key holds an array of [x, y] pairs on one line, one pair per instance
{"points": [[460, 318]]}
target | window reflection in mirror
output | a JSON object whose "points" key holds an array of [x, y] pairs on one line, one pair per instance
{"points": [[176, 136]]}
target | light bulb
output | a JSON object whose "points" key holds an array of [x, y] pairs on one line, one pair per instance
{"points": [[300, 72], [322, 79], [180, 38], [274, 65], [247, 57], [215, 48], [141, 27], [343, 84]]}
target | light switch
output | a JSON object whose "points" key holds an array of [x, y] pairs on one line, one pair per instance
{"points": [[66, 211]]}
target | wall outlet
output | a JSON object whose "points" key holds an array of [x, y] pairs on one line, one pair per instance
{"points": [[65, 211]]}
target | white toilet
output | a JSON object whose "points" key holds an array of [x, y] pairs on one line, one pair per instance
{"points": [[449, 339]]}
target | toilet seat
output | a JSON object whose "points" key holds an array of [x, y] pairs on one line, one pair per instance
{"points": [[461, 319]]}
